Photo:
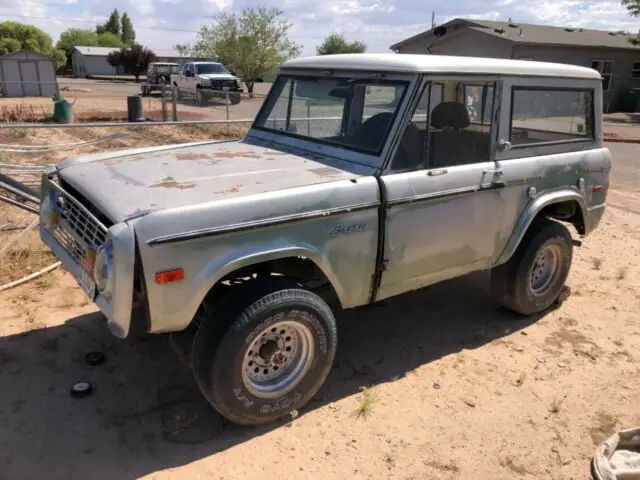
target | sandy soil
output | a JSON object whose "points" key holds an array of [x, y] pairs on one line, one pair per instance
{"points": [[455, 387], [109, 104], [462, 389]]}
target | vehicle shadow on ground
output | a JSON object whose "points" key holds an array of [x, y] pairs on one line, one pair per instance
{"points": [[146, 415]]}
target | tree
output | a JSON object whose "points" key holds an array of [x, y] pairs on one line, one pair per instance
{"points": [[112, 25], [252, 43], [59, 58], [15, 36], [109, 39], [9, 45], [336, 43], [73, 37], [134, 60], [25, 36], [127, 33], [633, 8]]}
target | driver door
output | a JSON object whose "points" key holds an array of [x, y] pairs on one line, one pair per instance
{"points": [[444, 200]]}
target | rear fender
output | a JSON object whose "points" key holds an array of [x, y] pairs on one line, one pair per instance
{"points": [[533, 209]]}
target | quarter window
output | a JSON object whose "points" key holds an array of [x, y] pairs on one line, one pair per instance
{"points": [[635, 70], [605, 68], [549, 115]]}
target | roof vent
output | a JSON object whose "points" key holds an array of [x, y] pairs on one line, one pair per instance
{"points": [[499, 30], [513, 25], [569, 29], [613, 34]]}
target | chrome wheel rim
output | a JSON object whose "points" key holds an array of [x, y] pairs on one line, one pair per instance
{"points": [[278, 359], [545, 269]]}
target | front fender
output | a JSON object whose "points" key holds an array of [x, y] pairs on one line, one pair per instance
{"points": [[220, 267], [533, 208]]}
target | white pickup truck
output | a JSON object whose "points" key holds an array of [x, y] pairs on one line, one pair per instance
{"points": [[207, 80]]}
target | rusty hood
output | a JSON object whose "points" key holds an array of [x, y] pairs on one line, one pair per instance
{"points": [[131, 183]]}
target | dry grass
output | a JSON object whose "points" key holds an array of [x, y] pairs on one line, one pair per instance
{"points": [[27, 256], [622, 273], [367, 401]]}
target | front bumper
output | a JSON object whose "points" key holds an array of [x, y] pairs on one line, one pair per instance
{"points": [[74, 235]]}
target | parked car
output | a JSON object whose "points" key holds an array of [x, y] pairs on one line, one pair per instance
{"points": [[158, 74], [338, 197], [207, 80]]}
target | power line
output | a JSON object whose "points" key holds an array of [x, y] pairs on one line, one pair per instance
{"points": [[93, 22]]}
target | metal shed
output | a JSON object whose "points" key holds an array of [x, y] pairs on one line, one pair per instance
{"points": [[27, 74]]}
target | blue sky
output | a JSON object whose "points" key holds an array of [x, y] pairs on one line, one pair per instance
{"points": [[379, 23]]}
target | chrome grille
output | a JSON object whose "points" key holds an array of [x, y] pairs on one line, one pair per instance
{"points": [[77, 230], [223, 83]]}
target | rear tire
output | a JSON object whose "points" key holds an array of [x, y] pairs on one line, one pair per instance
{"points": [[274, 356], [534, 277]]}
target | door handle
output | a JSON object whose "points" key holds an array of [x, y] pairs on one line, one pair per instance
{"points": [[435, 173], [495, 171]]}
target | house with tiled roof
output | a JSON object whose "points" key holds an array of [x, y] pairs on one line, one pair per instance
{"points": [[609, 52]]}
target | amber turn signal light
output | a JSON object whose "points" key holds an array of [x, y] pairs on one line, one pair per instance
{"points": [[170, 276]]}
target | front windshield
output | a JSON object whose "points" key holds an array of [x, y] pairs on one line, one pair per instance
{"points": [[355, 114], [211, 68]]}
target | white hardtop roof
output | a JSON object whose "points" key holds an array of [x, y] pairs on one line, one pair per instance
{"points": [[203, 61], [415, 63]]}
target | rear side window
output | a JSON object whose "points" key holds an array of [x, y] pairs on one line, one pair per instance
{"points": [[540, 116]]}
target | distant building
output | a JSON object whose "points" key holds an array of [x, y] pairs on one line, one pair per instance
{"points": [[27, 74], [617, 60], [93, 60]]}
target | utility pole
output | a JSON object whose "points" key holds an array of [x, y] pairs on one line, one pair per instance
{"points": [[433, 20]]}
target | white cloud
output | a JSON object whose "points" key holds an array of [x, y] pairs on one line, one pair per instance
{"points": [[379, 23]]}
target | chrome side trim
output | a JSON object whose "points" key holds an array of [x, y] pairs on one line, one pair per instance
{"points": [[256, 224]]}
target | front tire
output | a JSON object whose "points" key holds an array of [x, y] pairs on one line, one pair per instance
{"points": [[534, 277], [273, 358]]}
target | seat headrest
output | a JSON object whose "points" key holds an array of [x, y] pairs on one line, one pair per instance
{"points": [[450, 114]]}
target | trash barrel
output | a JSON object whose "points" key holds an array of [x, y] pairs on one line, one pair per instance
{"points": [[62, 110], [135, 109]]}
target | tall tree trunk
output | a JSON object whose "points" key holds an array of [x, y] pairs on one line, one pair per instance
{"points": [[250, 85]]}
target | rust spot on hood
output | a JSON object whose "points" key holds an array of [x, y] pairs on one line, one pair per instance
{"points": [[170, 182]]}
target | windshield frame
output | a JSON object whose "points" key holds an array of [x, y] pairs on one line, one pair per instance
{"points": [[350, 153], [224, 70]]}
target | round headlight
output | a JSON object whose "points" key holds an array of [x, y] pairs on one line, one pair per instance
{"points": [[103, 268]]}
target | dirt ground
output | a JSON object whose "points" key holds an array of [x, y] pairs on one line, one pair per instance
{"points": [[455, 388], [109, 103]]}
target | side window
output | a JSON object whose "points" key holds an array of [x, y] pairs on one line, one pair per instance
{"points": [[550, 115], [450, 126]]}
